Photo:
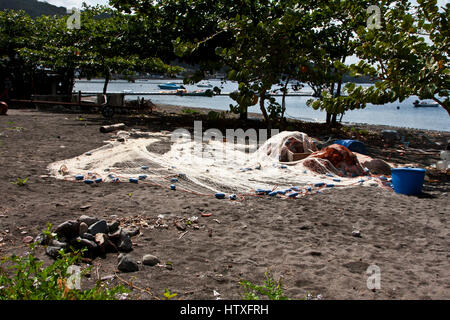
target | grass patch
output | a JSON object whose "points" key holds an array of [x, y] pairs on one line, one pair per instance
{"points": [[20, 182], [190, 111], [18, 129]]}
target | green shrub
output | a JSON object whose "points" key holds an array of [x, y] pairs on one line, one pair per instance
{"points": [[30, 280], [272, 289]]}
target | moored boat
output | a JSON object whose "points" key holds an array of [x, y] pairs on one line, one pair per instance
{"points": [[170, 86], [204, 85], [418, 104]]}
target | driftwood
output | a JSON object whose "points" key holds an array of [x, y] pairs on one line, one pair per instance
{"points": [[297, 156], [111, 128]]}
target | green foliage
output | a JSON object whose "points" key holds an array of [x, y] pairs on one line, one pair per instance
{"points": [[214, 115], [20, 182], [26, 278], [190, 111], [16, 30], [107, 42], [399, 56], [335, 41], [271, 289], [168, 295]]}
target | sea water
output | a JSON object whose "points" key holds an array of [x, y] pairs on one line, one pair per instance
{"points": [[399, 114]]}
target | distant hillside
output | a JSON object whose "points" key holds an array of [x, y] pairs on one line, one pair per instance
{"points": [[33, 7], [362, 79]]}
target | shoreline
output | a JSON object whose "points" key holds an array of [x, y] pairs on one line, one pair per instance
{"points": [[177, 109]]}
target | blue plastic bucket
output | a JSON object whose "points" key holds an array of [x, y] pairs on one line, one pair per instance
{"points": [[353, 145], [408, 180]]}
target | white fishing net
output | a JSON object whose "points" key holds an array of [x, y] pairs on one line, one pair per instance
{"points": [[199, 166]]}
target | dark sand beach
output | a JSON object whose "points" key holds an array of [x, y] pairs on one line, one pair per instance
{"points": [[307, 242]]}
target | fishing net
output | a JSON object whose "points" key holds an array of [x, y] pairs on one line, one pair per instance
{"points": [[285, 161]]}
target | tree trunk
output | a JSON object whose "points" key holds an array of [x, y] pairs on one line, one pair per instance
{"points": [[330, 115], [283, 99], [107, 76], [443, 105], [70, 86], [334, 119], [243, 115], [262, 99], [328, 118], [338, 94]]}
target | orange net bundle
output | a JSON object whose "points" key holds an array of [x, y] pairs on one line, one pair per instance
{"points": [[334, 159]]}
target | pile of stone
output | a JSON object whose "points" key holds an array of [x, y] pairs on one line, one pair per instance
{"points": [[98, 236]]}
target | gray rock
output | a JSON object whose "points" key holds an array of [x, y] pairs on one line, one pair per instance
{"points": [[83, 228], [68, 229], [356, 233], [88, 220], [88, 236], [42, 239], [127, 264], [125, 244], [109, 277], [133, 231], [52, 251], [58, 244], [150, 260], [79, 243], [75, 242], [116, 235], [113, 226], [104, 244], [90, 245], [98, 227]]}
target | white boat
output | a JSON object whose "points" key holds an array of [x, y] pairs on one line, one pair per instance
{"points": [[418, 104], [204, 85]]}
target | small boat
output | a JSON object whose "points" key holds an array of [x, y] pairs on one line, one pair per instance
{"points": [[170, 86], [418, 104], [204, 85]]}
